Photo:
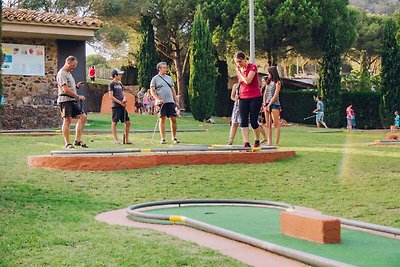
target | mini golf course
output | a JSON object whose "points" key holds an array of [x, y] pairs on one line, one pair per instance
{"points": [[124, 159], [258, 223]]}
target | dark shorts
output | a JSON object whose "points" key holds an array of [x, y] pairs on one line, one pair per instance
{"points": [[92, 79], [138, 104], [70, 109], [275, 106], [168, 110], [120, 114]]}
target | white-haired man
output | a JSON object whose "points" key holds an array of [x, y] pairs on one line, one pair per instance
{"points": [[68, 102], [162, 89]]}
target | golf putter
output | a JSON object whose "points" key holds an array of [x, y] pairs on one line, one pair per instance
{"points": [[309, 117], [123, 136]]}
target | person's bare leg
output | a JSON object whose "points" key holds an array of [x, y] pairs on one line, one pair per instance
{"points": [[65, 129], [114, 131], [318, 124], [172, 120], [323, 123], [127, 127], [80, 125], [277, 126], [263, 132], [161, 126], [269, 128], [256, 133], [232, 132], [245, 134]]}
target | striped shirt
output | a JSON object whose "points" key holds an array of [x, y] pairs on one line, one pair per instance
{"points": [[271, 88]]}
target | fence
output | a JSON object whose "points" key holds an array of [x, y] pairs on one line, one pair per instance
{"points": [[103, 73]]}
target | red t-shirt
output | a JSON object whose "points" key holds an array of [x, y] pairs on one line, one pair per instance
{"points": [[92, 72], [252, 89]]}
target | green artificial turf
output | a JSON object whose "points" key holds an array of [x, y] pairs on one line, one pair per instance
{"points": [[356, 248]]}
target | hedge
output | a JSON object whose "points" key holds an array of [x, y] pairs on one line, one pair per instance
{"points": [[296, 105]]}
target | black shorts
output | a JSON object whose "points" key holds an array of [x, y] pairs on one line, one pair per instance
{"points": [[168, 110], [138, 105], [120, 114], [70, 109], [92, 79]]}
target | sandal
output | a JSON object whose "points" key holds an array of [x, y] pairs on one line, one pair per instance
{"points": [[80, 143], [117, 142], [175, 141], [128, 143], [69, 146]]}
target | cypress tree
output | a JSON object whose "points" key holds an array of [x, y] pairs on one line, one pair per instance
{"points": [[365, 78], [202, 69], [223, 103], [329, 80], [148, 57], [390, 90]]}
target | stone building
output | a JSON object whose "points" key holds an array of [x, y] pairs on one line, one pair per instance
{"points": [[36, 45]]}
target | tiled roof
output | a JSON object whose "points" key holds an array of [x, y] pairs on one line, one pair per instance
{"points": [[25, 15]]}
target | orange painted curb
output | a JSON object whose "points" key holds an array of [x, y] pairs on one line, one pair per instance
{"points": [[148, 160], [393, 136]]}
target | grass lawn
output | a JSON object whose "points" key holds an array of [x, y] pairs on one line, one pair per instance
{"points": [[47, 217]]}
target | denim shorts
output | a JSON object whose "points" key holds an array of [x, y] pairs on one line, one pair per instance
{"points": [[275, 106], [319, 117]]}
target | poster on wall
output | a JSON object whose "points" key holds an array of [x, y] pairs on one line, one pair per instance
{"points": [[23, 60]]}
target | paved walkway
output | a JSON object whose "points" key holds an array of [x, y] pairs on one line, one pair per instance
{"points": [[245, 253]]}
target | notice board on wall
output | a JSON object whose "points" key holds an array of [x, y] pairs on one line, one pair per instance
{"points": [[26, 60]]}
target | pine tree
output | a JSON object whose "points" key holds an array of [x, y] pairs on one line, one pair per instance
{"points": [[329, 80], [148, 57], [202, 69], [390, 90]]}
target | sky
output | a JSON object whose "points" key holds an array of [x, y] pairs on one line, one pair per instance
{"points": [[89, 50]]}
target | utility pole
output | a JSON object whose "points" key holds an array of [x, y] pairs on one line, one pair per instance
{"points": [[252, 39]]}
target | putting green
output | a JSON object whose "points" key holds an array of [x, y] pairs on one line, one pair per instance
{"points": [[357, 248]]}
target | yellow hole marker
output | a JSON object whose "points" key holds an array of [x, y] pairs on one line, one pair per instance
{"points": [[176, 219], [57, 131], [377, 141], [256, 148], [145, 150]]}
